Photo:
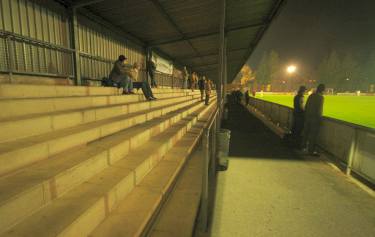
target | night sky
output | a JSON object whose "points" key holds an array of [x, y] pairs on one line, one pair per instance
{"points": [[307, 30]]}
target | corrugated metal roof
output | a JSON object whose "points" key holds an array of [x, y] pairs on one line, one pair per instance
{"points": [[188, 30]]}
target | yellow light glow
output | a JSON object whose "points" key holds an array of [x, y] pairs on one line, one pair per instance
{"points": [[291, 69]]}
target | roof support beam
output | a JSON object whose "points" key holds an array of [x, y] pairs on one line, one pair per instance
{"points": [[204, 65], [221, 61], [171, 21], [209, 54], [84, 3], [202, 35]]}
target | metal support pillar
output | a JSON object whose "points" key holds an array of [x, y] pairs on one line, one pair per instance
{"points": [[203, 216], [225, 72], [148, 58], [10, 48], [352, 152], [75, 45], [221, 92]]}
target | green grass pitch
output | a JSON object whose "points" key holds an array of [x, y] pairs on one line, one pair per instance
{"points": [[355, 109]]}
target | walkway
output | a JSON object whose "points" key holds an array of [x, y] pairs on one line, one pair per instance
{"points": [[269, 191]]}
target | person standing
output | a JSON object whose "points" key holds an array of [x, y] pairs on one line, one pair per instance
{"points": [[151, 68], [201, 86], [120, 75], [247, 97], [298, 115], [194, 79], [313, 119], [146, 89], [185, 77], [207, 88]]}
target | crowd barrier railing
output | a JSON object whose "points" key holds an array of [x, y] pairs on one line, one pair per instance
{"points": [[351, 144]]}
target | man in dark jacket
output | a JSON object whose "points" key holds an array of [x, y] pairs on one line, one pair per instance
{"points": [[313, 113], [120, 75], [151, 68], [201, 82], [298, 116]]}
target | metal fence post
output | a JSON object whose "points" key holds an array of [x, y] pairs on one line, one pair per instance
{"points": [[352, 152], [75, 45], [9, 47]]}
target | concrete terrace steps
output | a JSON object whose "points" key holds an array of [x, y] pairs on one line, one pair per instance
{"points": [[82, 208], [35, 124], [48, 179], [30, 91], [185, 197], [44, 91], [13, 108], [135, 214], [22, 152]]}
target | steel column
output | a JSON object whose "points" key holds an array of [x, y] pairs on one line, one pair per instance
{"points": [[75, 46], [225, 76], [352, 152], [203, 217], [220, 92], [9, 46]]}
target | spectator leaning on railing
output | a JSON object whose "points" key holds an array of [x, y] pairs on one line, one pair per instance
{"points": [[146, 89], [298, 116], [313, 119]]}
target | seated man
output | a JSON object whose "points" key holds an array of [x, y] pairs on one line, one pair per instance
{"points": [[119, 76], [146, 89]]}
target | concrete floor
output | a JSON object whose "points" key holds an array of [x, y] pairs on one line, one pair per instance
{"points": [[270, 191]]}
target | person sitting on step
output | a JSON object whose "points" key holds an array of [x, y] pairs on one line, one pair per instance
{"points": [[143, 84], [120, 76]]}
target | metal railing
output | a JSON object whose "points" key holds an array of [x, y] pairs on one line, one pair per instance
{"points": [[209, 170], [351, 144], [27, 56], [168, 80], [24, 55]]}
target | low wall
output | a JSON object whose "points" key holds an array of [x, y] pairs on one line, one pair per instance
{"points": [[353, 145]]}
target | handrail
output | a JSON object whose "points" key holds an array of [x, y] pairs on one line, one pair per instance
{"points": [[358, 126], [212, 119], [26, 39], [348, 143]]}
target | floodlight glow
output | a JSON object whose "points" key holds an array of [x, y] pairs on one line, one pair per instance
{"points": [[291, 69]]}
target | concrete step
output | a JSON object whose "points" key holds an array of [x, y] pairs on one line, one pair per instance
{"points": [[185, 198], [13, 108], [51, 178], [81, 209], [31, 91], [14, 155], [44, 91], [134, 215], [32, 125]]}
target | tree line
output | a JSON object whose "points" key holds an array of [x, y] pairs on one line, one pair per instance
{"points": [[341, 72]]}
